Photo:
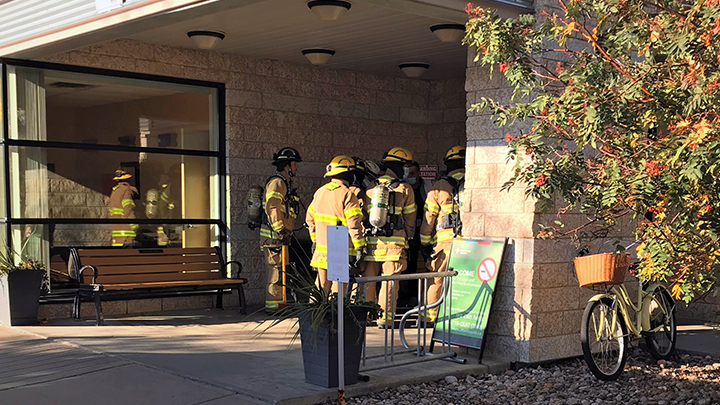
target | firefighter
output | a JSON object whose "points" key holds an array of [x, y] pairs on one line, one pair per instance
{"points": [[364, 176], [387, 244], [441, 222], [280, 204], [334, 203], [122, 206]]}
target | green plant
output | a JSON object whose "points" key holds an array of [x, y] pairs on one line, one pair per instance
{"points": [[621, 98], [11, 260], [319, 306]]}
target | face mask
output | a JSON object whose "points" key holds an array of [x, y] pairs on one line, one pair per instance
{"points": [[406, 172], [411, 180]]}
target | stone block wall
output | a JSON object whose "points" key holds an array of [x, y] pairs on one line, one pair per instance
{"points": [[321, 112]]}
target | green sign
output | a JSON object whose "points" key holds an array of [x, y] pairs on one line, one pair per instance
{"points": [[477, 262]]}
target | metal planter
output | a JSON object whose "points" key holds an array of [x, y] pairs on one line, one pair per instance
{"points": [[320, 350], [20, 297]]}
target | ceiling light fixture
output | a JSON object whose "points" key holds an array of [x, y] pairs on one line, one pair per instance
{"points": [[448, 32], [206, 39], [414, 69], [329, 10], [318, 56]]}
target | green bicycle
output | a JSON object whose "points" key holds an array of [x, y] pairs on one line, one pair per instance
{"points": [[608, 325]]}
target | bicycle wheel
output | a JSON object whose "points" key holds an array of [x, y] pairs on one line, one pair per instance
{"points": [[604, 345], [660, 344]]}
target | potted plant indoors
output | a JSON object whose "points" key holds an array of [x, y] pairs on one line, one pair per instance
{"points": [[317, 318], [20, 286]]}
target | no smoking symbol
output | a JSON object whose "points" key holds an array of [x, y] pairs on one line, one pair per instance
{"points": [[487, 270]]}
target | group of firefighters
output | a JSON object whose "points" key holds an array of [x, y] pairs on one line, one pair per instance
{"points": [[378, 206]]}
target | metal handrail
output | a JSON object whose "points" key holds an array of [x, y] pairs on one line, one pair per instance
{"points": [[421, 308]]}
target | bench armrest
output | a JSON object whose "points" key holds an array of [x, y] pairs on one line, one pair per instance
{"points": [[88, 266], [240, 266]]}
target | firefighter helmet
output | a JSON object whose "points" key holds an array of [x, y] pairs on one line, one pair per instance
{"points": [[455, 153], [121, 174], [340, 164], [286, 155], [359, 163], [398, 154], [372, 169]]}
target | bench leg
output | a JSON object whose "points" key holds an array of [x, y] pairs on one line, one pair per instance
{"points": [[98, 310], [219, 303], [241, 297], [76, 306]]}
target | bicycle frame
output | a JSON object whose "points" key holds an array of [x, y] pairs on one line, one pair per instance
{"points": [[621, 299]]}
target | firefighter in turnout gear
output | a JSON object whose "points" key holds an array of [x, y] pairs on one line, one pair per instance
{"points": [[281, 206], [334, 203], [442, 221], [388, 238], [122, 206]]}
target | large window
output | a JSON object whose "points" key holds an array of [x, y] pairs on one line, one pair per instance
{"points": [[94, 158]]}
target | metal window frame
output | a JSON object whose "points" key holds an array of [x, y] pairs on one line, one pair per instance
{"points": [[220, 154]]}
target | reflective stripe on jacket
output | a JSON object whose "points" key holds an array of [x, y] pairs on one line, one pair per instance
{"points": [[390, 248], [332, 203], [122, 206], [438, 204]]}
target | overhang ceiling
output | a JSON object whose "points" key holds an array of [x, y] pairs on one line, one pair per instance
{"points": [[370, 37]]}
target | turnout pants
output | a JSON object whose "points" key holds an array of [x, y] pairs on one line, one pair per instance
{"points": [[372, 269], [273, 267], [437, 263]]}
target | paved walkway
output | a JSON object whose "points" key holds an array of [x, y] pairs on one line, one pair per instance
{"points": [[698, 339], [190, 357]]}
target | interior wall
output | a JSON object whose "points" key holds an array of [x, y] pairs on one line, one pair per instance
{"points": [[321, 112]]}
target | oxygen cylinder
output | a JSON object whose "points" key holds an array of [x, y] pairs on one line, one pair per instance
{"points": [[151, 203], [254, 204], [379, 206]]}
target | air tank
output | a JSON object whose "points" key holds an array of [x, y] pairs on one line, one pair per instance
{"points": [[379, 206], [254, 204]]}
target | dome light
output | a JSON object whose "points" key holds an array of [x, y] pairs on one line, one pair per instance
{"points": [[205, 39], [318, 56], [448, 33], [329, 10], [414, 69]]}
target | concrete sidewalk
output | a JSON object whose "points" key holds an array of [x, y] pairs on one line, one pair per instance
{"points": [[698, 339], [188, 358]]}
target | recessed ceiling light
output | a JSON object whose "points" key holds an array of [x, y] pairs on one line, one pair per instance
{"points": [[414, 69], [449, 32], [329, 10], [318, 56], [206, 39]]}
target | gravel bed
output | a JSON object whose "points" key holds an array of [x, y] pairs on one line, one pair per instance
{"points": [[684, 380]]}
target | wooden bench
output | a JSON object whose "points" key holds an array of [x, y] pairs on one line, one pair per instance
{"points": [[112, 274]]}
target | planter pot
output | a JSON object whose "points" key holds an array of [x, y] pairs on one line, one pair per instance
{"points": [[320, 350], [20, 297]]}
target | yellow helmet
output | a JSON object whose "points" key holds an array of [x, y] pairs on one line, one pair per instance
{"points": [[121, 174], [398, 154], [340, 164], [455, 153]]}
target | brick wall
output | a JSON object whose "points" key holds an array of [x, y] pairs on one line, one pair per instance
{"points": [[321, 112]]}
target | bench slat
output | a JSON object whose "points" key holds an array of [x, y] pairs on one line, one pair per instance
{"points": [[140, 260], [130, 286], [87, 253], [146, 278], [154, 268]]}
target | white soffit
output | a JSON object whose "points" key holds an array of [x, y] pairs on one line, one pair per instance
{"points": [[369, 38]]}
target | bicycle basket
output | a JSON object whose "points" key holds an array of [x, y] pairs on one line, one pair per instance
{"points": [[602, 268]]}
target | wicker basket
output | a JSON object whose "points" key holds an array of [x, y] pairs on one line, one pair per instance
{"points": [[603, 268]]}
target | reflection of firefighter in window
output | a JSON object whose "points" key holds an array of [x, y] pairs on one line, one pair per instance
{"points": [[161, 203], [122, 206]]}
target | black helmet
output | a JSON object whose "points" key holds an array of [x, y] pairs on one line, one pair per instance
{"points": [[285, 156]]}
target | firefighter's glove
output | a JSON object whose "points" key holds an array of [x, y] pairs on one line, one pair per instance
{"points": [[426, 251], [286, 235], [360, 254]]}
